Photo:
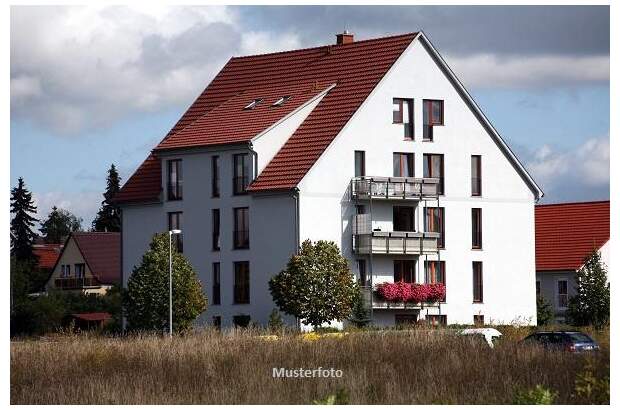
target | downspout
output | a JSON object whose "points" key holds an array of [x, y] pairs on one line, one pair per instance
{"points": [[255, 162], [123, 320], [296, 199]]}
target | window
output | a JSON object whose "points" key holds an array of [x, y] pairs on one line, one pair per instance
{"points": [[65, 271], [217, 322], [437, 320], [215, 235], [433, 168], [403, 320], [476, 228], [253, 104], [360, 163], [478, 320], [537, 288], [241, 172], [281, 101], [403, 219], [435, 272], [433, 115], [241, 320], [361, 269], [241, 293], [402, 113], [175, 220], [216, 283], [404, 271], [215, 176], [477, 276], [476, 175], [562, 294], [175, 180], [360, 209], [80, 270], [241, 233], [434, 221], [403, 164]]}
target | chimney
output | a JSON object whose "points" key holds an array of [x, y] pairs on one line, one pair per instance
{"points": [[344, 38]]}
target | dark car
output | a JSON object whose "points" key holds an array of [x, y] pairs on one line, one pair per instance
{"points": [[568, 341]]}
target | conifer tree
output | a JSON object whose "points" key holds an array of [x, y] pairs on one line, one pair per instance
{"points": [[590, 306], [22, 209], [108, 218]]}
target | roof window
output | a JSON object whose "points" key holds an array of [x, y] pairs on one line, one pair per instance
{"points": [[253, 104], [281, 101]]}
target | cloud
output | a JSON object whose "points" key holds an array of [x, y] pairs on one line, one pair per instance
{"points": [[581, 173], [82, 204]]}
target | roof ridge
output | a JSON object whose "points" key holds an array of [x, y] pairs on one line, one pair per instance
{"points": [[574, 203], [356, 42]]}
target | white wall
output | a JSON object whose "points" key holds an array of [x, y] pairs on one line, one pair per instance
{"points": [[507, 202]]}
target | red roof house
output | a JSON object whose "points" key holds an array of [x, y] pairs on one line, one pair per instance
{"points": [[47, 255]]}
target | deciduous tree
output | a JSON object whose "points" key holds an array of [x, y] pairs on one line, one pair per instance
{"points": [[590, 305], [59, 224]]}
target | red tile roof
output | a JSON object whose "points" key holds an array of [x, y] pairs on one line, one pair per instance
{"points": [[567, 233], [356, 68], [102, 253], [47, 255]]}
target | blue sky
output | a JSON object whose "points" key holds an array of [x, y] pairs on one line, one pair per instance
{"points": [[95, 86]]}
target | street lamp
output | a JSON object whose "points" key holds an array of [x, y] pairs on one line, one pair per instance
{"points": [[170, 233]]}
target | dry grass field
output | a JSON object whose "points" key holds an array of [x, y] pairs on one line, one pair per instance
{"points": [[397, 367]]}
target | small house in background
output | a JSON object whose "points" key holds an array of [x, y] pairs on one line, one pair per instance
{"points": [[566, 234], [90, 321], [89, 263]]}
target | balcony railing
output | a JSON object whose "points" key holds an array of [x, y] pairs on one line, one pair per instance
{"points": [[394, 188], [75, 283], [369, 294]]}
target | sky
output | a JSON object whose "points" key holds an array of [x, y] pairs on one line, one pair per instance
{"points": [[92, 86]]}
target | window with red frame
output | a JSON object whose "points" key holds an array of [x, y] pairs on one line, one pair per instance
{"points": [[402, 113], [403, 164], [432, 115], [437, 320], [404, 271], [435, 272]]}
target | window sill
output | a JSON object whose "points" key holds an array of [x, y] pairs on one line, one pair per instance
{"points": [[476, 249], [241, 249], [241, 303], [427, 140], [477, 303]]}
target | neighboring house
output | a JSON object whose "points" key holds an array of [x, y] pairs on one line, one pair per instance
{"points": [[566, 234], [47, 254], [90, 263], [374, 145]]}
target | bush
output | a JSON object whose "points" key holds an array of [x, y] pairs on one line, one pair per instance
{"points": [[537, 395], [275, 321], [590, 306], [544, 312]]}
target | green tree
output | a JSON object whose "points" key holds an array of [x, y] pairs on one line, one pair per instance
{"points": [[108, 218], [22, 209], [146, 301], [590, 305], [544, 311], [276, 324], [59, 224], [316, 285], [360, 314]]}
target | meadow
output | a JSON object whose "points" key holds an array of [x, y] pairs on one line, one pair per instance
{"points": [[414, 366]]}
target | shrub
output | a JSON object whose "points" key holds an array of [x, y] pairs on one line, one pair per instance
{"points": [[537, 395], [544, 312], [590, 306], [590, 389], [275, 321]]}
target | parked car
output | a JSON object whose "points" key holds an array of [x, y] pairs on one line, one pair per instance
{"points": [[489, 335], [569, 341]]}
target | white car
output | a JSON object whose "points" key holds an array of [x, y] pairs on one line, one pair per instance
{"points": [[489, 334]]}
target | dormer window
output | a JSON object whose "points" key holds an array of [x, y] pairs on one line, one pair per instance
{"points": [[253, 104], [281, 101]]}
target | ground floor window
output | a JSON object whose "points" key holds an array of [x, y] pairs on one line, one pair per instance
{"points": [[437, 320], [479, 320], [562, 294], [406, 319], [241, 320], [217, 322]]}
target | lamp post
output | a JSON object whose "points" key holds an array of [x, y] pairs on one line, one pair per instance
{"points": [[170, 233]]}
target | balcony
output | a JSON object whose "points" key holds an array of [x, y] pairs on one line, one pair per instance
{"points": [[394, 188], [369, 294], [75, 283]]}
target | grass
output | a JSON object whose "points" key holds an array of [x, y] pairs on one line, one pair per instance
{"points": [[419, 366]]}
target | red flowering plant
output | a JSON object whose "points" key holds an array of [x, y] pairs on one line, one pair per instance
{"points": [[411, 292]]}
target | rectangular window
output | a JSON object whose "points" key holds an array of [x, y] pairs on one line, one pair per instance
{"points": [[360, 209], [405, 320], [403, 219], [433, 168], [403, 164], [476, 175], [65, 271], [217, 322], [241, 173], [175, 220], [404, 271], [402, 113], [361, 268], [241, 232], [562, 294], [434, 221], [476, 228], [215, 176], [175, 180], [216, 284], [477, 282], [478, 320], [80, 270], [360, 163], [435, 272], [432, 115], [241, 292], [241, 320], [437, 320], [215, 236]]}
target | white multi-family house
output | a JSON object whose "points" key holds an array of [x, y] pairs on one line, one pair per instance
{"points": [[372, 144]]}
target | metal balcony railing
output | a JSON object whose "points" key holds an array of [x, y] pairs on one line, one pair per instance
{"points": [[369, 294], [394, 188], [75, 283]]}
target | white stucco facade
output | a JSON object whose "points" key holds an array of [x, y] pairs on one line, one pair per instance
{"points": [[322, 207]]}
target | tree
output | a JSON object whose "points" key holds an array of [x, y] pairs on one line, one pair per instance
{"points": [[316, 285], [108, 218], [22, 208], [146, 301], [59, 224], [590, 305], [360, 314], [544, 311], [275, 324]]}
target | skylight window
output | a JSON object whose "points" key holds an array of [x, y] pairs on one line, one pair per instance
{"points": [[253, 104], [281, 101]]}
